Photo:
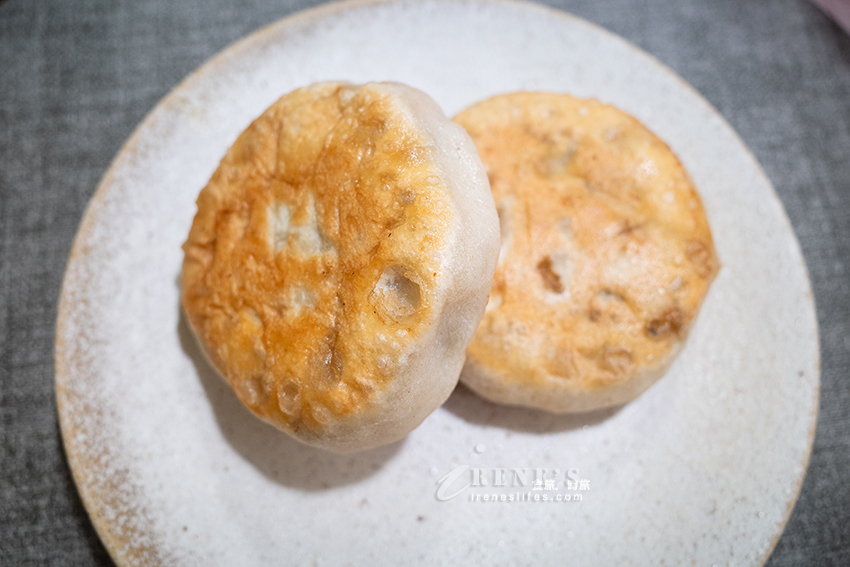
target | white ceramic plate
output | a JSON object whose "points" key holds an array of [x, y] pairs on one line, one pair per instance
{"points": [[705, 466]]}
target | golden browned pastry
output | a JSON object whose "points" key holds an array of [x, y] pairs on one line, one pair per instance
{"points": [[606, 254], [340, 260]]}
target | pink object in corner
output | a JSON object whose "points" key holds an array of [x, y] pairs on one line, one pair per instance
{"points": [[839, 10]]}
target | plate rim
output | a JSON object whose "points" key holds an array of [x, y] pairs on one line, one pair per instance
{"points": [[62, 371]]}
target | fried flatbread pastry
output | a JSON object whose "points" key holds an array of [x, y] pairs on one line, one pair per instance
{"points": [[340, 260], [606, 254]]}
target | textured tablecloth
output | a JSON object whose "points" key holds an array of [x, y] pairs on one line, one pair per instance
{"points": [[77, 77]]}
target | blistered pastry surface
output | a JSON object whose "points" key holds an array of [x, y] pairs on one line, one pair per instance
{"points": [[606, 251], [311, 265]]}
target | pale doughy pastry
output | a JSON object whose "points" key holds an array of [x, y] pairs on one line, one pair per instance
{"points": [[340, 260], [606, 254]]}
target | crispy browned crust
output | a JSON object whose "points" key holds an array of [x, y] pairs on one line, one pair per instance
{"points": [[315, 272], [606, 254]]}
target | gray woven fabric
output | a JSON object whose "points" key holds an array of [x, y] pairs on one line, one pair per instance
{"points": [[76, 78]]}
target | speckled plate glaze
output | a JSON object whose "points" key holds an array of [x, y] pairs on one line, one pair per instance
{"points": [[704, 468]]}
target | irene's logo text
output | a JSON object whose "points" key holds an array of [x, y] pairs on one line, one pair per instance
{"points": [[512, 484]]}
